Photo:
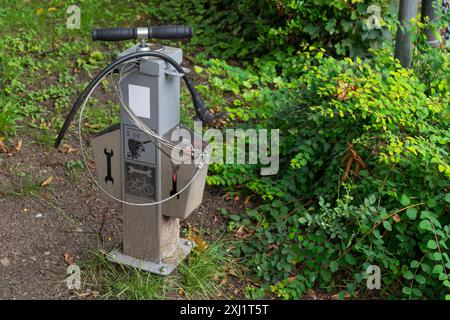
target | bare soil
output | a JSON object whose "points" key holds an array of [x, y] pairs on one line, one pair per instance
{"points": [[40, 225]]}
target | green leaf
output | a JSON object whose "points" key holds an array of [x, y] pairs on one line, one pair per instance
{"points": [[447, 197], [438, 269], [417, 292], [421, 279], [372, 199], [326, 275], [408, 275], [415, 264], [411, 213], [407, 290], [404, 200], [387, 225], [235, 217], [437, 256], [431, 203], [426, 267], [334, 266], [426, 215], [350, 259], [351, 287], [425, 225], [431, 244], [377, 234]]}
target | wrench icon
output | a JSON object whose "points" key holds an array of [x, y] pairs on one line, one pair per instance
{"points": [[108, 176]]}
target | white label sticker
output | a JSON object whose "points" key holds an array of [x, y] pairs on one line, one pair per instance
{"points": [[139, 100]]}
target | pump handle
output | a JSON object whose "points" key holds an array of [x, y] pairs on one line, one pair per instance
{"points": [[168, 32]]}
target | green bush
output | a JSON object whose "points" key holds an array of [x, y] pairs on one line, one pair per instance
{"points": [[247, 28], [322, 227]]}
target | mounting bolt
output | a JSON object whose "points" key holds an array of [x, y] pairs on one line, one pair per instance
{"points": [[188, 243], [163, 269]]}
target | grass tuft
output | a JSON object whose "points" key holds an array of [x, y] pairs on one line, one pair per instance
{"points": [[25, 185], [197, 277]]}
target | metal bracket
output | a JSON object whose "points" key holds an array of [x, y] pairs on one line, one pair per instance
{"points": [[161, 268]]}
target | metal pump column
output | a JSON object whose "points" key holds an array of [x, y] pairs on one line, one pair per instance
{"points": [[153, 93]]}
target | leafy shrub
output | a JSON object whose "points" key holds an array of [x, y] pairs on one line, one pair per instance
{"points": [[328, 220], [240, 28]]}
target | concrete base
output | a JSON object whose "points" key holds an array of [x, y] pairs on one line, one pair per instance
{"points": [[163, 269]]}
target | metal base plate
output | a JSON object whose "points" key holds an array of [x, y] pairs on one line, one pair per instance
{"points": [[163, 269]]}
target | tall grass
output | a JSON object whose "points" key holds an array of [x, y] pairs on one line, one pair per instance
{"points": [[197, 277]]}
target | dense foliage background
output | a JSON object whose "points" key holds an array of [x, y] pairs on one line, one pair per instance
{"points": [[365, 168]]}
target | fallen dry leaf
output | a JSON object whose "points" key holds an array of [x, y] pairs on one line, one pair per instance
{"points": [[396, 218], [68, 149], [312, 294], [243, 232], [90, 164], [88, 294], [224, 281], [18, 145], [336, 296], [93, 126], [199, 242], [232, 272], [69, 259], [47, 181], [4, 149]]}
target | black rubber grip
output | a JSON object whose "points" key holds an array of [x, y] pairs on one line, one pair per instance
{"points": [[114, 34], [170, 32]]}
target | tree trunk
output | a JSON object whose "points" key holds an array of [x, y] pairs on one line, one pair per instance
{"points": [[429, 8], [403, 44]]}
